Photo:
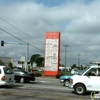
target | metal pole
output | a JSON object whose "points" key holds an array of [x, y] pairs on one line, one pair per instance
{"points": [[79, 61], [27, 57], [83, 65], [65, 55]]}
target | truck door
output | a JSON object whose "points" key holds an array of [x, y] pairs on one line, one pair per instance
{"points": [[92, 81]]}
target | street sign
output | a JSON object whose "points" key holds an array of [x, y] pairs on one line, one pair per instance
{"points": [[22, 43]]}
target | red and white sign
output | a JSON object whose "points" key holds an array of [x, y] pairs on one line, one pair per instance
{"points": [[52, 53]]}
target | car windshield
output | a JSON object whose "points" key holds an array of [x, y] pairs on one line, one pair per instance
{"points": [[24, 71], [7, 70], [20, 70]]}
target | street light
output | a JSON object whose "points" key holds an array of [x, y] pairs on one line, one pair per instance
{"points": [[65, 55]]}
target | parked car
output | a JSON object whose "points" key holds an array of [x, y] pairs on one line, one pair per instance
{"points": [[23, 76], [64, 80], [6, 76]]}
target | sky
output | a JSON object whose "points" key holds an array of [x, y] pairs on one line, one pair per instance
{"points": [[27, 21]]}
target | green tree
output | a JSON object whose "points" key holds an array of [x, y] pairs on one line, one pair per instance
{"points": [[62, 65], [1, 63], [36, 58], [10, 65], [74, 66], [40, 61]]}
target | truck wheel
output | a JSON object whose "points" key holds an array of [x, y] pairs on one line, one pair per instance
{"points": [[66, 83], [22, 80], [80, 89]]}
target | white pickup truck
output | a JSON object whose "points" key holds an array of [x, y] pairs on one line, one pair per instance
{"points": [[86, 81]]}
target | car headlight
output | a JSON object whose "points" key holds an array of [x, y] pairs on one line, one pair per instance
{"points": [[71, 81]]}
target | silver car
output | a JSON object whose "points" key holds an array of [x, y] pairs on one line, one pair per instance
{"points": [[6, 76]]}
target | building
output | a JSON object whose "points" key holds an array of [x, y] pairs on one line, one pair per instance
{"points": [[5, 60]]}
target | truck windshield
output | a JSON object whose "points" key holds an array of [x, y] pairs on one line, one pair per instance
{"points": [[83, 71], [79, 72]]}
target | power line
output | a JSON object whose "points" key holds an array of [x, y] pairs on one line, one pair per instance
{"points": [[18, 38], [20, 30]]}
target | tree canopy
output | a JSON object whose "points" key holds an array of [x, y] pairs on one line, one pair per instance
{"points": [[10, 64], [36, 58]]}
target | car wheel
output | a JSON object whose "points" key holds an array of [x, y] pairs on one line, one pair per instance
{"points": [[80, 89], [66, 82], [22, 80]]}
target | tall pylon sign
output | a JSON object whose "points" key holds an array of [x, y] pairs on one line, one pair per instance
{"points": [[52, 53]]}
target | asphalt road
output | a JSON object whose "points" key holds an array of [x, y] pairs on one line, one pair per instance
{"points": [[44, 88]]}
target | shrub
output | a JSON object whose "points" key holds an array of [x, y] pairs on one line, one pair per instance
{"points": [[38, 75]]}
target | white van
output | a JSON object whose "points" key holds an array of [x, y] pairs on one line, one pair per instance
{"points": [[6, 76], [85, 81]]}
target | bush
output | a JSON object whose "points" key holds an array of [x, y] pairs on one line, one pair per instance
{"points": [[38, 75]]}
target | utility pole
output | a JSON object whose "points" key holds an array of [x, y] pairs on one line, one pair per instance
{"points": [[65, 55], [27, 57], [79, 61], [83, 64]]}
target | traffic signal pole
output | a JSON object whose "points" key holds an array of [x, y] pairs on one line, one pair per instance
{"points": [[27, 51]]}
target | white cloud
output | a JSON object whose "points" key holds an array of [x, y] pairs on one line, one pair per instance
{"points": [[88, 20], [77, 21]]}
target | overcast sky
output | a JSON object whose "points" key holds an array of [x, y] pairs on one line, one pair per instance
{"points": [[78, 21]]}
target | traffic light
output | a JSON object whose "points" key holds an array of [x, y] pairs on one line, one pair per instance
{"points": [[28, 62], [2, 43]]}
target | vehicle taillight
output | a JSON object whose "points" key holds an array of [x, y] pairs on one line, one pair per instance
{"points": [[3, 78]]}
